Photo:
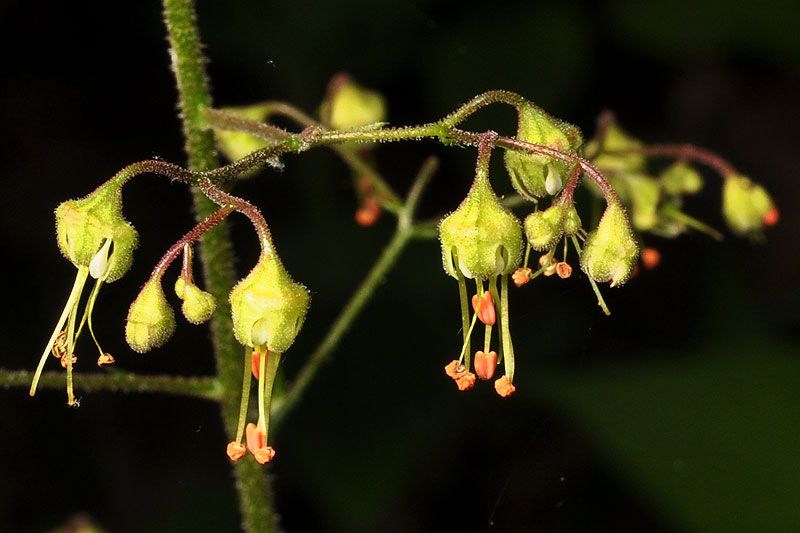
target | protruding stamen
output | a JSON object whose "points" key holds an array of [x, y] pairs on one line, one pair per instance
{"points": [[504, 387], [464, 378], [563, 270], [484, 307], [465, 322], [650, 258], [771, 217], [521, 276], [485, 364], [236, 450], [505, 332], [245, 400], [105, 360], [256, 363], [72, 301], [600, 301]]}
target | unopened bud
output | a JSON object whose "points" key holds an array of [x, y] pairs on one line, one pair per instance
{"points": [[745, 204], [198, 305], [681, 178], [544, 228], [610, 250], [151, 320]]}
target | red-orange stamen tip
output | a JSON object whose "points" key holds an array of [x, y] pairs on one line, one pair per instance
{"points": [[521, 276], [254, 438], [484, 309], [255, 364], [650, 258], [369, 212], [485, 364], [771, 217], [451, 369], [504, 387], [563, 270], [236, 450], [465, 381], [264, 455], [105, 360]]}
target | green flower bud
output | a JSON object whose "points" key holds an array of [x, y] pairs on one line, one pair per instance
{"points": [[84, 226], [617, 140], [644, 193], [151, 320], [544, 228], [236, 144], [268, 307], [198, 305], [745, 204], [681, 178], [349, 106], [572, 222], [610, 250], [536, 175], [481, 238], [180, 287]]}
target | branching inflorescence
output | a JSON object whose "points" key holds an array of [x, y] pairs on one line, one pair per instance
{"points": [[481, 240]]}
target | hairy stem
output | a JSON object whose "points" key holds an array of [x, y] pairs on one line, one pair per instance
{"points": [[188, 64]]}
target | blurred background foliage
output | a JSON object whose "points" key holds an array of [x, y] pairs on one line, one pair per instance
{"points": [[680, 412]]}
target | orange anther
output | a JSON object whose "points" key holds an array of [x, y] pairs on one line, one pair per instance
{"points": [[452, 369], [64, 360], [105, 360], [463, 378], [368, 213], [485, 364], [254, 437], [545, 259], [563, 270], [264, 455], [650, 258], [236, 450], [771, 217], [484, 309], [255, 365], [465, 381], [504, 387], [521, 276]]}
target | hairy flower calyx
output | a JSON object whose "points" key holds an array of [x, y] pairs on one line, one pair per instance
{"points": [[746, 205], [268, 307], [610, 251], [151, 320], [85, 225], [481, 238], [537, 175]]}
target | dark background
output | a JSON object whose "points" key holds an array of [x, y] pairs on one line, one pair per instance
{"points": [[680, 412]]}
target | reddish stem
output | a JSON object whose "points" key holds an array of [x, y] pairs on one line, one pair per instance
{"points": [[687, 151], [194, 234], [224, 199]]}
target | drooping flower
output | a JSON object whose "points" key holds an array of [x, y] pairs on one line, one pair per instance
{"points": [[268, 309], [482, 240], [94, 236]]}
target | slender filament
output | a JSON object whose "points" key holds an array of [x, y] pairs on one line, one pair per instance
{"points": [[243, 403]]}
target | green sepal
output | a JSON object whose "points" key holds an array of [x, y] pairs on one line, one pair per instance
{"points": [[151, 320], [83, 225], [616, 139], [681, 178], [744, 204], [481, 238], [610, 251], [268, 296], [530, 172]]}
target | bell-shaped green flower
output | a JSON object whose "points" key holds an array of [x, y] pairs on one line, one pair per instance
{"points": [[536, 175], [644, 193], [610, 251], [481, 238], [348, 105], [151, 320], [614, 155], [681, 178], [237, 144], [268, 307], [544, 228], [85, 225], [746, 205]]}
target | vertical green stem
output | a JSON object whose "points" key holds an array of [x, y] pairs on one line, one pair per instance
{"points": [[188, 64]]}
